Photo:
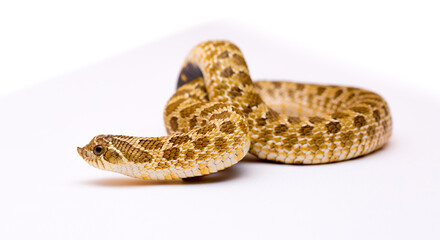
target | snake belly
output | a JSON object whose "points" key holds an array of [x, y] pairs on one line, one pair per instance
{"points": [[218, 114]]}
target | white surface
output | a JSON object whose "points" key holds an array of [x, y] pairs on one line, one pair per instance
{"points": [[48, 192], [46, 38]]}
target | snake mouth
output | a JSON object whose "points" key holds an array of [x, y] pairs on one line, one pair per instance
{"points": [[89, 159], [97, 163]]}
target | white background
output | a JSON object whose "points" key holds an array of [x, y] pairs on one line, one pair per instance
{"points": [[43, 39], [72, 71]]}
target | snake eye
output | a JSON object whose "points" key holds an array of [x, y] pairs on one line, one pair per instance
{"points": [[98, 150]]}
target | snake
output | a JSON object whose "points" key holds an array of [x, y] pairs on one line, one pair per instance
{"points": [[218, 114]]}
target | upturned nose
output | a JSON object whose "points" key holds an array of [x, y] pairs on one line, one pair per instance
{"points": [[80, 151]]}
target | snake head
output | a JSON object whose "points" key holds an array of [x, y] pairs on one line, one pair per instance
{"points": [[100, 153]]}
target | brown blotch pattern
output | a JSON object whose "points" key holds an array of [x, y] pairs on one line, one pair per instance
{"points": [[239, 60], [371, 131], [261, 121], [385, 110], [282, 128], [337, 93], [376, 115], [333, 127], [306, 130], [320, 91], [300, 87], [359, 121], [254, 99], [227, 127], [188, 111], [347, 137], [220, 144], [173, 123], [276, 84], [206, 129], [193, 122], [201, 143], [245, 78], [291, 140], [221, 115], [224, 54], [139, 156], [235, 92], [265, 134], [189, 154], [350, 97], [171, 153], [151, 144], [176, 140], [227, 72]]}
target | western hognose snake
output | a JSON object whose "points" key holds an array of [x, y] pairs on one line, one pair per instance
{"points": [[218, 114]]}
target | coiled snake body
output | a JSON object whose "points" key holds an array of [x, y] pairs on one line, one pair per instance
{"points": [[218, 114]]}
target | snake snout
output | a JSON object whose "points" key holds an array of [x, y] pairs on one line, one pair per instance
{"points": [[82, 153]]}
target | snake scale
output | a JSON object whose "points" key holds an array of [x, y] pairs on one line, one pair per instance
{"points": [[218, 114]]}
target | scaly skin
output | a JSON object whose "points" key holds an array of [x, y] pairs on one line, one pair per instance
{"points": [[218, 114]]}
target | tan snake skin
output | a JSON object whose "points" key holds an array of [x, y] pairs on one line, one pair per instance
{"points": [[218, 114]]}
